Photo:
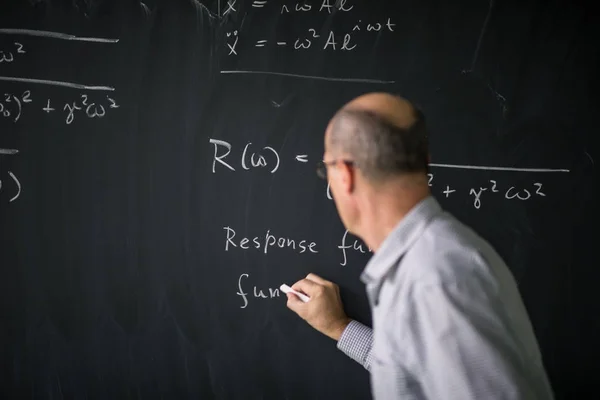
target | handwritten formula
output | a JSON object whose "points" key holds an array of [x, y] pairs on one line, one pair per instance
{"points": [[491, 188], [19, 100], [12, 106], [268, 158], [329, 40], [9, 54]]}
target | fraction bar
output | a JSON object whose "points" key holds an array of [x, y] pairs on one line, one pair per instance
{"points": [[481, 167], [55, 35], [56, 83], [323, 78]]}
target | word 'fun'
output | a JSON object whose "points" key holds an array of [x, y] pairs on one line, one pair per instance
{"points": [[256, 293]]}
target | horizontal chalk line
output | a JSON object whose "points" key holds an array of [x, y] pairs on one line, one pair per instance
{"points": [[55, 35], [322, 78], [55, 83], [481, 167]]}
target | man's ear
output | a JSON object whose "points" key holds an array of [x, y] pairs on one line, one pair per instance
{"points": [[348, 177]]}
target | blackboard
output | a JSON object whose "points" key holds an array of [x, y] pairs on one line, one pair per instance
{"points": [[141, 142]]}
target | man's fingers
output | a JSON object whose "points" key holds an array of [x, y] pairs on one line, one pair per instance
{"points": [[322, 282], [294, 302], [316, 278], [306, 286]]}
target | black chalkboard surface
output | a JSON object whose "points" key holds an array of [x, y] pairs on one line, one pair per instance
{"points": [[158, 183]]}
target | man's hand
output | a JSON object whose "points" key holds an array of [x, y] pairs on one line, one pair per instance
{"points": [[324, 311]]}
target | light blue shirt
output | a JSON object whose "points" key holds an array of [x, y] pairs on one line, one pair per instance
{"points": [[448, 319]]}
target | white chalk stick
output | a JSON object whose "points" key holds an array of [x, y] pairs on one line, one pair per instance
{"points": [[286, 289]]}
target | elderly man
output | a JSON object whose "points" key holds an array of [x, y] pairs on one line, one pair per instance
{"points": [[448, 319]]}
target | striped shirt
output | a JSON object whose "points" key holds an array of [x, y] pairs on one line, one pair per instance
{"points": [[448, 319]]}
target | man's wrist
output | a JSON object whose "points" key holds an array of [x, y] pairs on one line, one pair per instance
{"points": [[339, 329]]}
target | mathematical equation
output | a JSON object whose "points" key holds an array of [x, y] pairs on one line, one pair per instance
{"points": [[311, 39], [268, 158], [8, 55], [521, 193], [494, 188], [231, 6], [13, 105], [9, 178], [265, 158]]}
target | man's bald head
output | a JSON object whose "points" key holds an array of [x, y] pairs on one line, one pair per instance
{"points": [[384, 135]]}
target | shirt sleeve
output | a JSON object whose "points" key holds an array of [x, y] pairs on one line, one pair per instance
{"points": [[356, 342], [462, 347]]}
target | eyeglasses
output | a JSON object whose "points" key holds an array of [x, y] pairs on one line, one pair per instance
{"points": [[322, 166]]}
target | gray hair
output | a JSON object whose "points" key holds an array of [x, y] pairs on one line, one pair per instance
{"points": [[380, 149]]}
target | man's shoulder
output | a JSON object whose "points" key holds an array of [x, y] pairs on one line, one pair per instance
{"points": [[448, 251], [448, 235]]}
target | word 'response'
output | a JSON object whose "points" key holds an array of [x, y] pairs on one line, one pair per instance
{"points": [[264, 242]]}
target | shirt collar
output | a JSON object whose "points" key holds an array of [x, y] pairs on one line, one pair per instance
{"points": [[406, 232]]}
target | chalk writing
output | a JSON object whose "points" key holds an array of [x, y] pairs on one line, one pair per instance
{"points": [[357, 245], [8, 55], [85, 107], [387, 25], [301, 76], [230, 7], [71, 85], [16, 190], [267, 157], [265, 242], [54, 35], [268, 293], [507, 191], [326, 6], [233, 42], [325, 41], [330, 41], [11, 105]]}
